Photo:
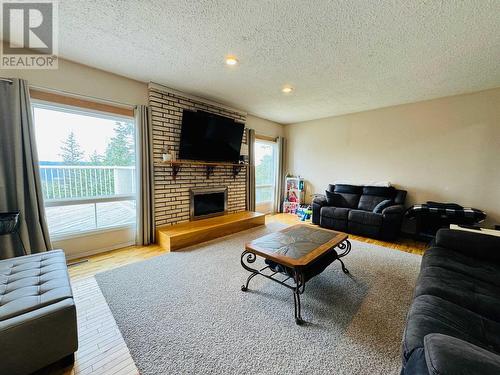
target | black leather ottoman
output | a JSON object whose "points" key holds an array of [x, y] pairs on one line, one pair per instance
{"points": [[37, 312], [313, 269]]}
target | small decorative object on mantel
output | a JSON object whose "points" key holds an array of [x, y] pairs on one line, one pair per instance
{"points": [[243, 153], [165, 154]]}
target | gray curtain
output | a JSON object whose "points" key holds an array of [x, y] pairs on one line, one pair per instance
{"points": [[280, 175], [20, 186], [145, 223], [251, 170]]}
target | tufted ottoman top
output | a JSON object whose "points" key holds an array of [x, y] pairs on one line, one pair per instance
{"points": [[31, 282]]}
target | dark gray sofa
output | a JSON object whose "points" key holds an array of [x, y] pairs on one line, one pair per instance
{"points": [[357, 209], [453, 325], [37, 313]]}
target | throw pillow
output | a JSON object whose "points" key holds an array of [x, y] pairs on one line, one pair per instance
{"points": [[333, 199], [384, 204]]}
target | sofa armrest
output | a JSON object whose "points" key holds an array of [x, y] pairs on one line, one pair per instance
{"points": [[320, 200], [392, 219], [397, 209], [448, 355], [317, 203], [472, 244]]}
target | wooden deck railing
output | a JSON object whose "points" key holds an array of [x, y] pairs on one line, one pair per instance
{"points": [[63, 182]]}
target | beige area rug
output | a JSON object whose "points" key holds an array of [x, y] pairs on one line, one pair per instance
{"points": [[184, 313]]}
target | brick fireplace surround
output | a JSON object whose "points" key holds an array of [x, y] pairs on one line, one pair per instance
{"points": [[171, 197]]}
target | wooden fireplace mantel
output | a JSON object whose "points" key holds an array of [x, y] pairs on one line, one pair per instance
{"points": [[178, 164], [178, 236]]}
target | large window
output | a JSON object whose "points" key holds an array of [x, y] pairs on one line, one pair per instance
{"points": [[87, 169], [265, 175]]}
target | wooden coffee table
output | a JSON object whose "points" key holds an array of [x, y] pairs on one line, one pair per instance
{"points": [[296, 253]]}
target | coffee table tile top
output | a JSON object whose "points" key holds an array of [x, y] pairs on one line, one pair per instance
{"points": [[296, 245]]}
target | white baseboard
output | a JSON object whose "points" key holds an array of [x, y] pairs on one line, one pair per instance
{"points": [[82, 254]]}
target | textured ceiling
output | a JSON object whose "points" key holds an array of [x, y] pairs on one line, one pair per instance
{"points": [[341, 56]]}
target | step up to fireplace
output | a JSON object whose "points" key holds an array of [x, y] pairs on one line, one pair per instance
{"points": [[178, 236]]}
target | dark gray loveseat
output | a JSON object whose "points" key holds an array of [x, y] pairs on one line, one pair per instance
{"points": [[37, 313], [371, 211], [453, 325]]}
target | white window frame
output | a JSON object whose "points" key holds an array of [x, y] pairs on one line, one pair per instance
{"points": [[274, 145]]}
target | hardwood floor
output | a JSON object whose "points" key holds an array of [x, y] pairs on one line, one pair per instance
{"points": [[402, 244], [111, 259], [120, 257], [102, 350]]}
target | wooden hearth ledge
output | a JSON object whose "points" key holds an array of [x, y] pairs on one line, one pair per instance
{"points": [[178, 236]]}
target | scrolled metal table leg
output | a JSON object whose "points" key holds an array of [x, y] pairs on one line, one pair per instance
{"points": [[250, 258], [344, 269], [346, 246], [244, 288], [299, 282]]}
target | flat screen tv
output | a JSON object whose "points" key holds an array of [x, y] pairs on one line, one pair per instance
{"points": [[208, 137]]}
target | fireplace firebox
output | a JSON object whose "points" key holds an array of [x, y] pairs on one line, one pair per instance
{"points": [[207, 202]]}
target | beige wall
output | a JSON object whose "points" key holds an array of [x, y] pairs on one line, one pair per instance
{"points": [[83, 80], [265, 127], [446, 150]]}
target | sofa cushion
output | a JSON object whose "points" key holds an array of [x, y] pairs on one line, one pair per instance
{"points": [[339, 213], [464, 290], [345, 188], [373, 195], [334, 199], [32, 282], [449, 355], [365, 217], [473, 244], [482, 270], [431, 314], [331, 223], [364, 223], [349, 193], [334, 218]]}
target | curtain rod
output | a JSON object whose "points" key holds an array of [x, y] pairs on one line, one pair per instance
{"points": [[5, 80]]}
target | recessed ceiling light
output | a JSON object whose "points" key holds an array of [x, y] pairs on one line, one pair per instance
{"points": [[231, 60], [287, 89]]}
